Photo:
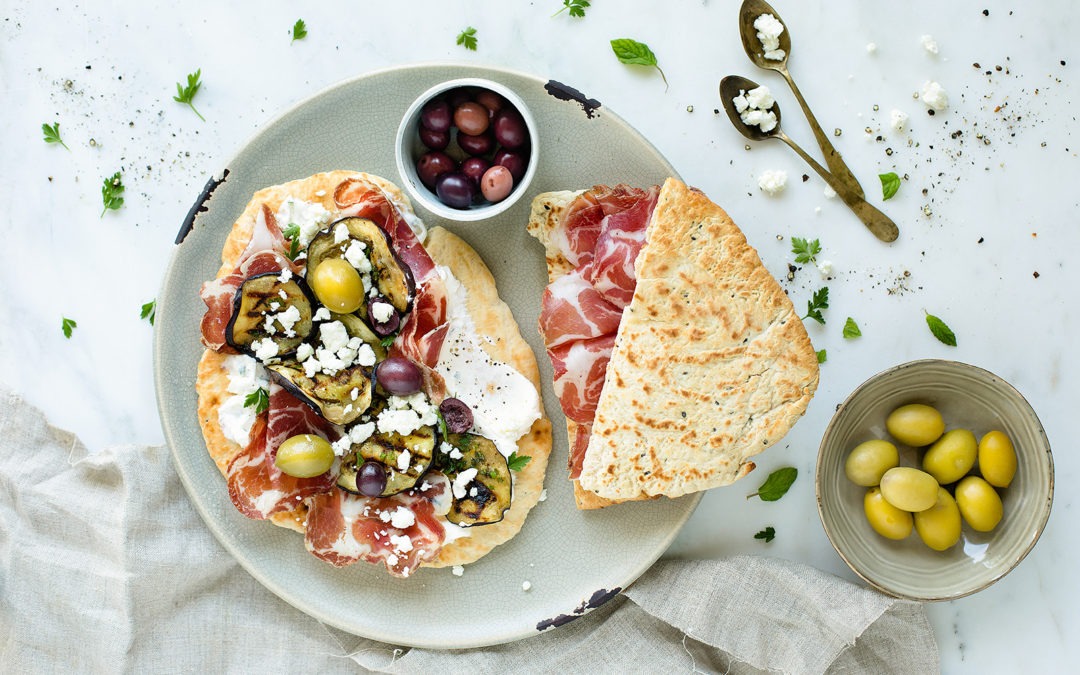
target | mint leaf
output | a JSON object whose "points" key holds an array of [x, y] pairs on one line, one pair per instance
{"points": [[890, 183], [851, 329], [941, 331], [768, 534], [776, 485], [636, 53], [821, 356]]}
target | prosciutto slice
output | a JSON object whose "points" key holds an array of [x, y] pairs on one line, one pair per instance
{"points": [[601, 233], [263, 254], [257, 487], [343, 528]]}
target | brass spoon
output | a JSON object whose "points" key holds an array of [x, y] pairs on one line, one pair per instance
{"points": [[748, 13], [877, 222]]}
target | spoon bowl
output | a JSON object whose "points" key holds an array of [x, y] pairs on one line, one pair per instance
{"points": [[730, 87], [748, 13]]}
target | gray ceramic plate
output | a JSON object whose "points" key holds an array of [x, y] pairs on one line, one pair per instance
{"points": [[574, 560]]}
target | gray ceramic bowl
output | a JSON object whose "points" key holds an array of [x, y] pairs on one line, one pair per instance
{"points": [[969, 398], [408, 150]]}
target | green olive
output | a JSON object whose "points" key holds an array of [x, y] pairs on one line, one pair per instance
{"points": [[951, 456], [869, 461], [337, 285], [997, 459], [939, 525], [304, 456], [886, 519], [909, 489], [979, 503], [915, 424]]}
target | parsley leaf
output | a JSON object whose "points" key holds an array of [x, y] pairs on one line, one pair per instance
{"points": [[776, 485], [388, 340], [52, 135], [110, 193], [299, 31], [804, 251], [260, 398], [821, 356], [851, 329], [467, 38], [768, 534], [576, 7], [66, 325], [292, 231], [294, 249], [517, 462], [819, 302], [149, 310], [636, 53], [941, 331], [890, 183], [186, 94]]}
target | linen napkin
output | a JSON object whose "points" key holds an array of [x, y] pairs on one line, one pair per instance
{"points": [[106, 567]]}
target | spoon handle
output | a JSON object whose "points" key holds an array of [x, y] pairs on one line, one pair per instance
{"points": [[832, 157], [879, 224]]}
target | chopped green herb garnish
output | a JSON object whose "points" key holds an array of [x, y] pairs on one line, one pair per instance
{"points": [[299, 31], [292, 231], [52, 135], [768, 534], [818, 303], [110, 193], [805, 251], [941, 331], [187, 94], [890, 183], [443, 431], [67, 325], [517, 462], [821, 356], [851, 329], [260, 398], [294, 249], [388, 340], [149, 310], [776, 485], [577, 8], [467, 38], [636, 53]]}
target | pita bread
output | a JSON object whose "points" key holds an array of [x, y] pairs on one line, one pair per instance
{"points": [[711, 364], [493, 321]]}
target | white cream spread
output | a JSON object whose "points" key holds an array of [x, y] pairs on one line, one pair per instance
{"points": [[310, 217], [245, 377]]}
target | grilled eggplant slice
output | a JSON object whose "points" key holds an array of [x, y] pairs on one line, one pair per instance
{"points": [[356, 327], [488, 495], [263, 295], [389, 274], [387, 448], [329, 395]]}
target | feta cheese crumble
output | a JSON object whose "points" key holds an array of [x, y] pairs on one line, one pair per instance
{"points": [[754, 108], [543, 495], [934, 96], [525, 586], [825, 268], [304, 352], [929, 44], [402, 518], [898, 119], [457, 570], [830, 193], [871, 48], [308, 216], [461, 480], [265, 349], [406, 414], [769, 29], [382, 311], [356, 257], [321, 314], [773, 182]]}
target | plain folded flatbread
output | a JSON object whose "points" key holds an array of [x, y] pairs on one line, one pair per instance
{"points": [[495, 325], [711, 364]]}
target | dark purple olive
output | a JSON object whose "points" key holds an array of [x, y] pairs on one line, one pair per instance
{"points": [[384, 328], [517, 162], [435, 115], [474, 168], [455, 189], [490, 100], [436, 140], [510, 129], [456, 97], [398, 376], [480, 144], [457, 414], [433, 164], [371, 479]]}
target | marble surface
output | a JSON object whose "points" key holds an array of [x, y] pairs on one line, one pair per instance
{"points": [[987, 212]]}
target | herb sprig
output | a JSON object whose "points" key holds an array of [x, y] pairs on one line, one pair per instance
{"points": [[149, 310], [805, 251], [890, 183], [260, 398], [517, 462], [638, 54], [67, 325], [776, 485], [577, 8], [110, 193], [819, 302], [299, 31], [467, 38], [187, 94], [52, 135], [768, 534], [821, 356], [851, 329], [940, 330]]}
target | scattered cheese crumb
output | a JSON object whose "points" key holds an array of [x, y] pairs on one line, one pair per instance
{"points": [[403, 460], [817, 210], [830, 193], [934, 96], [457, 570], [929, 44], [773, 182], [385, 516], [265, 349], [525, 586], [401, 543], [403, 518], [825, 268], [871, 48], [543, 495], [462, 480], [898, 119], [382, 311]]}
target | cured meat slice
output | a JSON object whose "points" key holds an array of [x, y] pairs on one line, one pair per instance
{"points": [[576, 237], [571, 309], [257, 487], [580, 367], [611, 271], [399, 531], [580, 443]]}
